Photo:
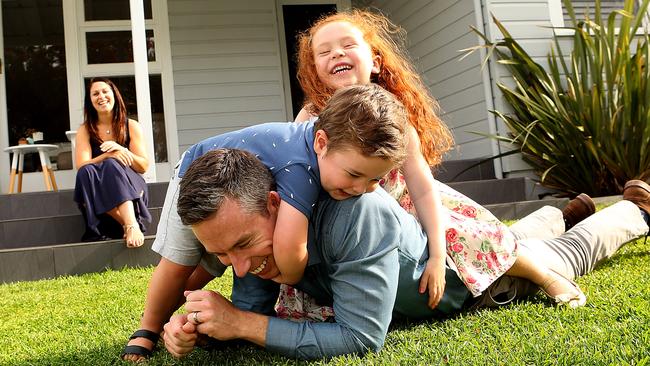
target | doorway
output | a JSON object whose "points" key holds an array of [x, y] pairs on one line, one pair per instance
{"points": [[295, 17]]}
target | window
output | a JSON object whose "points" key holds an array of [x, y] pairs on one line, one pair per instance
{"points": [[36, 75], [112, 10], [583, 7], [115, 47]]}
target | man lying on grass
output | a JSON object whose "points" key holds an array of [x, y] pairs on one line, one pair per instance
{"points": [[366, 256]]}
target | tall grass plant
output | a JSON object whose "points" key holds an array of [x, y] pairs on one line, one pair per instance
{"points": [[583, 124]]}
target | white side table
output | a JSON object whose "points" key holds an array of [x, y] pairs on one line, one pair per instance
{"points": [[18, 161]]}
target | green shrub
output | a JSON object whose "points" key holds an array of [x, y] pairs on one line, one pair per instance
{"points": [[583, 125]]}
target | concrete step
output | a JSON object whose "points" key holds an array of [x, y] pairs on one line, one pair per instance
{"points": [[464, 170], [51, 230], [43, 204], [517, 210], [36, 263], [505, 190], [49, 218]]}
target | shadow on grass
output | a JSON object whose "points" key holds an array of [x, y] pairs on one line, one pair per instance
{"points": [[234, 354], [402, 323]]}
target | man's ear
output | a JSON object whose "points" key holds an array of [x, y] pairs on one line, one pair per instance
{"points": [[376, 64], [273, 201], [320, 142]]}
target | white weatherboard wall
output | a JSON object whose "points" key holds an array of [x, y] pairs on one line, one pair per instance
{"points": [[226, 63], [437, 30]]}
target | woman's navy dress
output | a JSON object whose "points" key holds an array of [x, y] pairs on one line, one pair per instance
{"points": [[103, 186]]}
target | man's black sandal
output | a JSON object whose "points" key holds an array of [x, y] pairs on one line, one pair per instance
{"points": [[139, 350]]}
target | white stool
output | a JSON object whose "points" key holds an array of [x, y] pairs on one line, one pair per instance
{"points": [[18, 161]]}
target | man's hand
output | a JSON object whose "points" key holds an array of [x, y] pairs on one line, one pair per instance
{"points": [[433, 279], [218, 318], [179, 336]]}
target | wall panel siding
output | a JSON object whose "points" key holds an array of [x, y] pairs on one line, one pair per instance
{"points": [[447, 53], [226, 63], [465, 118], [437, 30]]}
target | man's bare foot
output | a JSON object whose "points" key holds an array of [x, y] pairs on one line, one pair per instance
{"points": [[563, 291], [133, 236]]}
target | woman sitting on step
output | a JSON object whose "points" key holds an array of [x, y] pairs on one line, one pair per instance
{"points": [[111, 156]]}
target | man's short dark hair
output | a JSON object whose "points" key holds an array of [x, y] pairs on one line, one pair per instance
{"points": [[223, 174]]}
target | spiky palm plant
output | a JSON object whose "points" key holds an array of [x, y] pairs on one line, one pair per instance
{"points": [[583, 125]]}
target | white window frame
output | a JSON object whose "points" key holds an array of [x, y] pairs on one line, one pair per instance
{"points": [[107, 69], [556, 10], [4, 120]]}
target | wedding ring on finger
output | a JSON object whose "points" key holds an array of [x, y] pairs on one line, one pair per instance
{"points": [[195, 318]]}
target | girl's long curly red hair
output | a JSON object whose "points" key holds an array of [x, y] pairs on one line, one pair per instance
{"points": [[397, 75]]}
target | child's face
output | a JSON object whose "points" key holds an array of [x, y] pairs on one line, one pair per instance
{"points": [[342, 57], [345, 173]]}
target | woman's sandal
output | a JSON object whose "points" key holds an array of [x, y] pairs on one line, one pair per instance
{"points": [[140, 350], [573, 301], [137, 242]]}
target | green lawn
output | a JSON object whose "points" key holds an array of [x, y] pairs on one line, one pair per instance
{"points": [[86, 320]]}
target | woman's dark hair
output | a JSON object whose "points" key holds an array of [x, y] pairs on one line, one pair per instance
{"points": [[118, 125]]}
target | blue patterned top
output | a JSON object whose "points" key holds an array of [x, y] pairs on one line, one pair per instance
{"points": [[287, 149]]}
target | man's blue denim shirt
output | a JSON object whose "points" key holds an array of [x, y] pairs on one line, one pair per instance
{"points": [[366, 257]]}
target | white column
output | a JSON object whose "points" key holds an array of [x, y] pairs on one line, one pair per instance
{"points": [[72, 64], [4, 121], [142, 82], [480, 19]]}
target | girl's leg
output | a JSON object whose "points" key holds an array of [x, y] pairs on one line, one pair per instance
{"points": [[554, 285]]}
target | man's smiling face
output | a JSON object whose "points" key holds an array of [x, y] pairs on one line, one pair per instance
{"points": [[243, 240]]}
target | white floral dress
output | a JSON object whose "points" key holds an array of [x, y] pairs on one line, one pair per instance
{"points": [[481, 247]]}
